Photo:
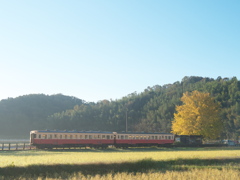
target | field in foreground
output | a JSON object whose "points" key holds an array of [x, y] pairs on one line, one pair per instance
{"points": [[139, 163]]}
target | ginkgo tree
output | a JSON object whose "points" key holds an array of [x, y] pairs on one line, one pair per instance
{"points": [[198, 115]]}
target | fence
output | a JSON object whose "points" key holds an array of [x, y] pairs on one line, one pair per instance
{"points": [[15, 144]]}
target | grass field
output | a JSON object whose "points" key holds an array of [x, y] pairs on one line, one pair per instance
{"points": [[133, 163]]}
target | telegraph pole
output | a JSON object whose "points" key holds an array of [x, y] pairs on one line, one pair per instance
{"points": [[126, 120]]}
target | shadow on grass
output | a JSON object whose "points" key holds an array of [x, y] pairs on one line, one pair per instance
{"points": [[93, 169]]}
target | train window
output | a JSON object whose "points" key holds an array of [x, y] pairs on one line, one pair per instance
{"points": [[90, 136], [156, 137], [55, 136], [144, 137], [126, 136], [65, 136], [86, 136], [44, 136], [60, 136], [99, 136], [130, 137], [160, 137], [137, 137], [108, 137], [103, 137], [50, 136], [169, 137], [70, 136], [39, 136], [118, 136], [152, 137], [95, 136], [80, 136]]}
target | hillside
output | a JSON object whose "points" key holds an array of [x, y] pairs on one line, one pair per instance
{"points": [[20, 115], [151, 110]]}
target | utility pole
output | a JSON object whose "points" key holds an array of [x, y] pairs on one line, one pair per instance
{"points": [[126, 120]]}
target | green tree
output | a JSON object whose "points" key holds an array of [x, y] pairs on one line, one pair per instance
{"points": [[199, 115]]}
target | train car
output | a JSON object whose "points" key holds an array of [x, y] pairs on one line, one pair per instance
{"points": [[143, 139], [54, 139]]}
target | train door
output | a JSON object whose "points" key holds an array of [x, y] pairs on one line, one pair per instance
{"points": [[114, 138], [32, 137]]}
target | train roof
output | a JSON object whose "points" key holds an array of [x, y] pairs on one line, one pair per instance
{"points": [[101, 132], [144, 133], [72, 131]]}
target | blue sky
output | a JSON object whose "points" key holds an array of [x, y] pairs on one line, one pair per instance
{"points": [[97, 50]]}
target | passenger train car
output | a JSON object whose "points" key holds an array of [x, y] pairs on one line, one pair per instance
{"points": [[143, 139], [54, 139]]}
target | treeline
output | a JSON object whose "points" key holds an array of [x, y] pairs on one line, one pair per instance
{"points": [[149, 111]]}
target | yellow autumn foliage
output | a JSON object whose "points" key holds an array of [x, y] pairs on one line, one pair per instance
{"points": [[199, 115]]}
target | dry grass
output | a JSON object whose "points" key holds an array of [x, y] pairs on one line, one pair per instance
{"points": [[194, 174], [142, 163], [25, 158]]}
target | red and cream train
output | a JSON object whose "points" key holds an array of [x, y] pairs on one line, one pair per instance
{"points": [[96, 139]]}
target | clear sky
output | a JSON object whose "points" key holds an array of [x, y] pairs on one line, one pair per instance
{"points": [[105, 49]]}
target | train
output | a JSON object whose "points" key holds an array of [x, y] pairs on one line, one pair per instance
{"points": [[48, 139]]}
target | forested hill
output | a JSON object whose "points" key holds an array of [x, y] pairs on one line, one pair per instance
{"points": [[150, 111], [20, 115]]}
